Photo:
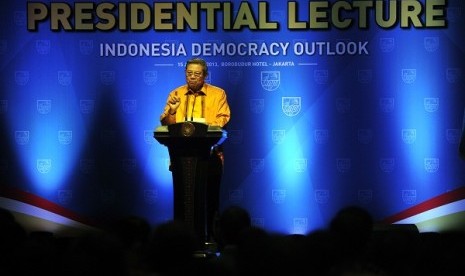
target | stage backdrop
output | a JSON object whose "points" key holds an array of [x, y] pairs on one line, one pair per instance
{"points": [[334, 103]]}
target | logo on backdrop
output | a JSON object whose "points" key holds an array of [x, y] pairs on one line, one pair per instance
{"points": [[409, 76], [386, 105], [86, 46], [257, 165], [3, 106], [453, 75], [343, 164], [87, 106], [65, 78], [431, 43], [270, 80], [291, 105], [64, 196], [300, 165], [343, 105], [107, 77], [235, 136], [129, 106], [278, 135], [387, 165], [431, 164], [365, 196], [300, 225], [22, 77], [87, 166], [65, 137], [365, 76], [22, 137], [257, 105], [44, 165], [365, 136], [278, 196], [43, 46], [44, 106], [431, 104], [321, 76], [320, 136], [150, 196], [322, 196], [236, 195], [453, 136], [409, 196], [150, 77], [409, 135], [387, 44]]}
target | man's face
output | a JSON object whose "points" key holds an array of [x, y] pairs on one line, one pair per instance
{"points": [[195, 77]]}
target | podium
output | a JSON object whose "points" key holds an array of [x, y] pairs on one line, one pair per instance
{"points": [[189, 145]]}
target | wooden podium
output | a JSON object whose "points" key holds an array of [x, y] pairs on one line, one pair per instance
{"points": [[189, 145]]}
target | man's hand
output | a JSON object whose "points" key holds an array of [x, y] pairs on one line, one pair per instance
{"points": [[174, 101]]}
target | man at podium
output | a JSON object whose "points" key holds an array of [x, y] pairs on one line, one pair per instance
{"points": [[202, 102]]}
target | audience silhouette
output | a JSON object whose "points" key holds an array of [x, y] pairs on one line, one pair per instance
{"points": [[351, 244]]}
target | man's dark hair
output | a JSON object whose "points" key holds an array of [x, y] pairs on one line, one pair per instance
{"points": [[201, 62]]}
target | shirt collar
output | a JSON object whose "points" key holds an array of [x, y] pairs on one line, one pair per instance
{"points": [[202, 91]]}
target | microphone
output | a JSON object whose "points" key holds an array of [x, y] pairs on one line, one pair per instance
{"points": [[187, 104], [193, 106]]}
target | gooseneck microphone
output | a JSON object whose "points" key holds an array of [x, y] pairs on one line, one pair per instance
{"points": [[193, 106]]}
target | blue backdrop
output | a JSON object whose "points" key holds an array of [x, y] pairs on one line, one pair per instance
{"points": [[320, 118]]}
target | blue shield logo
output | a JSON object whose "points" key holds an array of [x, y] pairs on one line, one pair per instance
{"points": [[43, 46], [235, 76], [365, 76], [65, 137], [257, 105], [453, 136], [22, 137], [320, 136], [431, 43], [343, 164], [322, 196], [270, 80], [387, 165], [44, 165], [300, 165], [343, 105], [64, 196], [22, 77], [87, 106], [86, 46], [278, 196], [107, 77], [291, 106], [409, 196], [409, 76], [431, 104], [365, 196], [44, 106], [278, 135], [87, 166], [386, 105], [129, 106], [431, 164], [453, 75], [365, 136], [387, 44], [321, 76], [409, 135], [236, 195], [150, 77], [3, 106], [65, 78], [150, 196], [257, 165]]}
